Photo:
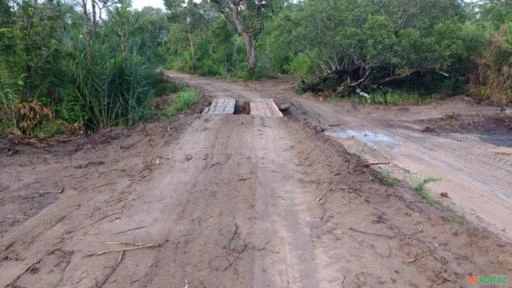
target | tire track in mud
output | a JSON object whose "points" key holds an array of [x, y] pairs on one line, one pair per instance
{"points": [[286, 208], [214, 197]]}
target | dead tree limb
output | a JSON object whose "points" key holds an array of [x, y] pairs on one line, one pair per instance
{"points": [[119, 260], [373, 234]]}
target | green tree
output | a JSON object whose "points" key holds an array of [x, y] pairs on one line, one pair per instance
{"points": [[200, 41], [491, 79], [368, 43], [496, 13], [247, 16]]}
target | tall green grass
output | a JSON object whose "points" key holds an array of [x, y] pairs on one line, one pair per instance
{"points": [[398, 98], [7, 98], [112, 89], [183, 101]]}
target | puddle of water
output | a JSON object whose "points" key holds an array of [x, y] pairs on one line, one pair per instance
{"points": [[371, 139], [498, 140]]}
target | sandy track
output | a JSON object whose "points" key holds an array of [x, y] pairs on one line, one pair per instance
{"points": [[475, 174], [234, 201]]}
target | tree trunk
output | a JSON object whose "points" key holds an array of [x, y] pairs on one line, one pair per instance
{"points": [[86, 30], [251, 51], [248, 37], [193, 51], [28, 48], [94, 19], [122, 38]]}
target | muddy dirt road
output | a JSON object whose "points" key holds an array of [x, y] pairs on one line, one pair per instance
{"points": [[225, 201], [473, 166]]}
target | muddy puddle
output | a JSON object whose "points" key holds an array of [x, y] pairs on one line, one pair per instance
{"points": [[498, 140], [372, 139]]}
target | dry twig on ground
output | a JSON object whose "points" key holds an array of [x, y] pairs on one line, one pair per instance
{"points": [[125, 247], [119, 260]]}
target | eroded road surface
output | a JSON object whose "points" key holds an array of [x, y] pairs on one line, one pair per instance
{"points": [[227, 201]]}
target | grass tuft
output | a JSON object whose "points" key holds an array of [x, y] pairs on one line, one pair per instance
{"points": [[420, 186], [398, 98], [459, 220], [387, 179], [183, 101]]}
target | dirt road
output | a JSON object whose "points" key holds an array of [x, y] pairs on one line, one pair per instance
{"points": [[225, 201], [474, 168]]}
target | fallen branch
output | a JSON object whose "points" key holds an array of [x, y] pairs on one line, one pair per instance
{"points": [[365, 77], [375, 164], [104, 217], [417, 232], [319, 198], [128, 146], [66, 140], [119, 260], [92, 163], [235, 233], [230, 251], [236, 258], [264, 248], [131, 229], [129, 247], [371, 233]]}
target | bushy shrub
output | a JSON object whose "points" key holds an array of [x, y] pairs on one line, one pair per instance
{"points": [[495, 68], [302, 66], [113, 89]]}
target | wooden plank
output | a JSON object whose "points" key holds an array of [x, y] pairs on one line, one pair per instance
{"points": [[266, 108], [221, 106]]}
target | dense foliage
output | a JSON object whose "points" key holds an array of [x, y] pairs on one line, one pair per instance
{"points": [[92, 63], [371, 41], [347, 47], [88, 63]]}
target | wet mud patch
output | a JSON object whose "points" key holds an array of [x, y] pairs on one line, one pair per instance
{"points": [[372, 139], [494, 129], [476, 124]]}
